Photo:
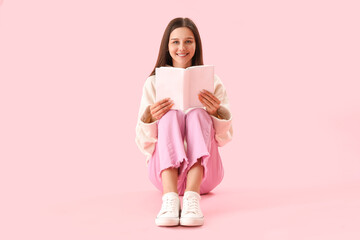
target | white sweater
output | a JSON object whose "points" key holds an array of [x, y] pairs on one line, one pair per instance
{"points": [[146, 133]]}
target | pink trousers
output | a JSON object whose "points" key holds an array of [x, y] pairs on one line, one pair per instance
{"points": [[197, 128]]}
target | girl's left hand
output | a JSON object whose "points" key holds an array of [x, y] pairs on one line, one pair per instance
{"points": [[209, 101]]}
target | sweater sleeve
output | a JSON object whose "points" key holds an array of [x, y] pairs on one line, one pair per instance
{"points": [[223, 127], [146, 133]]}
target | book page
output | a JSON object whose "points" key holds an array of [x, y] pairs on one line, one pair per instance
{"points": [[169, 82], [199, 77]]}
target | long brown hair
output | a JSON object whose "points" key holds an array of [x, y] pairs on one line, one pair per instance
{"points": [[164, 57]]}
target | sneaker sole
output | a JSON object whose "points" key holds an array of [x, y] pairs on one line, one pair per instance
{"points": [[191, 221], [167, 221]]}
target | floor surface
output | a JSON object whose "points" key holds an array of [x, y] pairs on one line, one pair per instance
{"points": [[309, 214]]}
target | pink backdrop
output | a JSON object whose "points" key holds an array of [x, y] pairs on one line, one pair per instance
{"points": [[71, 81]]}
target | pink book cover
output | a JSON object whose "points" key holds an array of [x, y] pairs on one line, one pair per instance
{"points": [[183, 84]]}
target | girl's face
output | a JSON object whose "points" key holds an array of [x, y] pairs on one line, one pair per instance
{"points": [[182, 42]]}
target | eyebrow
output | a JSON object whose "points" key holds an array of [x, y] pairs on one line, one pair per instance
{"points": [[178, 38]]}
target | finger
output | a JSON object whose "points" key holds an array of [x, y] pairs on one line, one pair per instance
{"points": [[163, 101], [208, 106], [163, 110], [210, 101], [206, 97], [156, 113], [160, 105], [210, 95]]}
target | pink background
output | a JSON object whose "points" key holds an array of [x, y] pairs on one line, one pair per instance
{"points": [[71, 81]]}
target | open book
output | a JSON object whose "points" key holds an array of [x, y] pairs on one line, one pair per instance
{"points": [[183, 85]]}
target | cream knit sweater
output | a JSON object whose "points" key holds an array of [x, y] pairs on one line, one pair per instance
{"points": [[146, 133]]}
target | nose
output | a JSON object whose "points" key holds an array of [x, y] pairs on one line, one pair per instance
{"points": [[182, 46]]}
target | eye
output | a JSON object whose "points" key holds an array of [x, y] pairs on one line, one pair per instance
{"points": [[186, 41]]}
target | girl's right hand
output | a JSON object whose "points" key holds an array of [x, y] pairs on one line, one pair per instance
{"points": [[158, 109]]}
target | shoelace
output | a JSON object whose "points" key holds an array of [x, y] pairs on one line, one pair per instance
{"points": [[169, 205], [192, 205]]}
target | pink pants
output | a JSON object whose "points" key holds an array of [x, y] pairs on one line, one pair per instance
{"points": [[197, 127]]}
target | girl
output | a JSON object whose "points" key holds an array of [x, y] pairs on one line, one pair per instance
{"points": [[181, 148]]}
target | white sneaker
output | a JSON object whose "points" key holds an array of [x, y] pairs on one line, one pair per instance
{"points": [[191, 214], [170, 210]]}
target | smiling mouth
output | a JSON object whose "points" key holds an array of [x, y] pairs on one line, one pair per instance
{"points": [[182, 55]]}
